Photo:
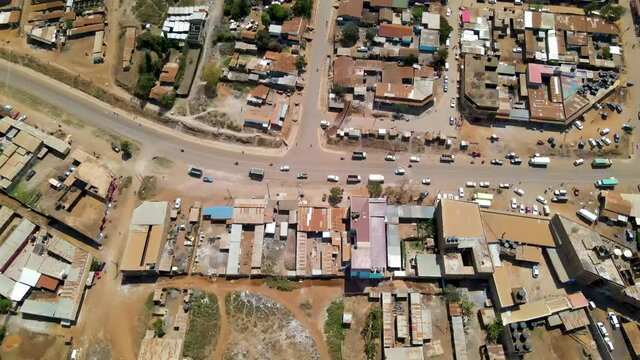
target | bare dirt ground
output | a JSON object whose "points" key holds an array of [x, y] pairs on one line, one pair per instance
{"points": [[353, 346], [26, 345]]}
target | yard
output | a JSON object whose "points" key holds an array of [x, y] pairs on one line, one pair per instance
{"points": [[204, 326]]}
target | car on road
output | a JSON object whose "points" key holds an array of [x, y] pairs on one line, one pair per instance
{"points": [[616, 138], [177, 203], [302, 176], [541, 200], [613, 319], [578, 124], [578, 162], [535, 209], [207, 179], [518, 191], [484, 184], [504, 185], [448, 11], [521, 209], [511, 155], [414, 159], [399, 171], [471, 184], [426, 181], [333, 178], [604, 131], [609, 343], [516, 161], [496, 162], [535, 271], [445, 88], [514, 203], [30, 174], [324, 124], [453, 103], [195, 172], [602, 329], [284, 168], [390, 157], [452, 120], [461, 191]]}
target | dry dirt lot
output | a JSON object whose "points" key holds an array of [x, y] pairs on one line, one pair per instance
{"points": [[353, 346], [552, 344], [25, 345]]}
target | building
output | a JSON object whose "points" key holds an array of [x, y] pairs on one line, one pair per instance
{"points": [[349, 10], [367, 228], [614, 208], [145, 241], [129, 47], [293, 30]]}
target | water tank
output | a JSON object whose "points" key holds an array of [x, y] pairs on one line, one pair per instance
{"points": [[526, 347]]}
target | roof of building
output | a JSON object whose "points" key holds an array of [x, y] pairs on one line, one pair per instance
{"points": [[428, 265], [169, 73], [461, 219], [394, 74], [404, 353], [501, 279], [260, 92], [249, 211], [614, 202], [218, 212], [531, 230], [145, 239], [431, 20], [295, 26], [528, 253], [88, 20], [86, 29], [420, 93], [632, 333], [15, 241], [351, 8], [314, 218], [160, 349], [394, 31], [344, 72], [285, 64]]}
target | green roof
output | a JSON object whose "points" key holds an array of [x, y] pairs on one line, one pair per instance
{"points": [[400, 4]]}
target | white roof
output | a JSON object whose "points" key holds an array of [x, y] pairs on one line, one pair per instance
{"points": [[29, 277], [19, 291], [6, 286], [275, 29], [150, 213]]}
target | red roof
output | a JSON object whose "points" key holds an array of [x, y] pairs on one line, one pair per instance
{"points": [[465, 16], [395, 31]]}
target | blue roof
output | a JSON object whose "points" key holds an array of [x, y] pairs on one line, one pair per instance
{"points": [[218, 212]]}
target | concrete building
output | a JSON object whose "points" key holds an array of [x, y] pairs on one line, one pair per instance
{"points": [[367, 228], [145, 241]]}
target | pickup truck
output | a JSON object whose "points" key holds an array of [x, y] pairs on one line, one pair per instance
{"points": [[448, 158], [353, 179]]}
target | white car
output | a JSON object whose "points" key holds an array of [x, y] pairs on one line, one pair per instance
{"points": [[614, 320], [284, 168], [452, 120], [390, 157], [518, 191], [535, 210], [602, 329], [578, 124], [578, 162], [535, 271], [592, 305], [448, 11], [609, 343], [453, 103], [333, 178], [546, 210], [484, 184], [560, 192], [514, 203], [398, 171], [541, 200], [324, 124], [426, 181], [177, 203], [517, 50], [604, 131], [521, 209], [461, 191], [504, 185], [414, 159], [606, 140], [471, 184]]}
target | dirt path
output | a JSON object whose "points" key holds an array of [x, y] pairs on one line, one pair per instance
{"points": [[319, 293]]}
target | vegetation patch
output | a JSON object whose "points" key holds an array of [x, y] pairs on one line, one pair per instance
{"points": [[204, 326], [148, 188], [29, 197], [372, 331], [280, 283], [162, 162], [333, 330], [151, 11]]}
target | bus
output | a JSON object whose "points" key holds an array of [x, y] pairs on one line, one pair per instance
{"points": [[601, 163], [483, 196], [256, 174], [607, 182], [587, 215]]}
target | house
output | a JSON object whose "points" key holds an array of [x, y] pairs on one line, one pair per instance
{"points": [[396, 32], [614, 207], [350, 10], [293, 29], [145, 240], [258, 96], [430, 21], [367, 228]]}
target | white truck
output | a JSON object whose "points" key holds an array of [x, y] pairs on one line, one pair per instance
{"points": [[587, 215], [541, 161], [376, 178]]}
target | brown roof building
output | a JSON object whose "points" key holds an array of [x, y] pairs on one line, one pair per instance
{"points": [[395, 31], [286, 64], [350, 9], [169, 72], [394, 74], [614, 207], [129, 45], [294, 28]]}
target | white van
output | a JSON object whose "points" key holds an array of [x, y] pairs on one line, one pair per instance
{"points": [[578, 162], [446, 66], [519, 191]]}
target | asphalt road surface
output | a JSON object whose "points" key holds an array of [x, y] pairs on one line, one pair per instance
{"points": [[304, 154]]}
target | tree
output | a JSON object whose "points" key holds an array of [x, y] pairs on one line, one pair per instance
{"points": [[264, 41], [158, 327], [156, 43], [452, 294], [167, 100], [494, 331], [127, 148], [612, 12], [445, 29], [371, 33], [400, 108], [467, 308], [606, 53], [266, 20], [375, 189], [371, 331], [145, 83], [440, 58], [416, 12], [335, 195], [338, 90], [350, 34], [410, 60], [303, 8], [278, 13], [3, 332], [211, 74], [237, 9], [301, 63], [591, 7], [5, 305]]}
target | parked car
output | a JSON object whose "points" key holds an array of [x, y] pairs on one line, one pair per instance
{"points": [[592, 305], [452, 120], [578, 124], [504, 185], [177, 203], [390, 157], [453, 103], [426, 181], [517, 49], [399, 171], [30, 174], [521, 209], [284, 168], [496, 162], [535, 271], [302, 176], [333, 178], [414, 159], [541, 200], [614, 320], [22, 117], [535, 209], [516, 161], [484, 184], [609, 343], [514, 203], [578, 162], [518, 191], [602, 329], [604, 131], [448, 11], [115, 147], [511, 155], [461, 191], [471, 184], [207, 179]]}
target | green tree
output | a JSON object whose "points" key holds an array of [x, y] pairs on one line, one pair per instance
{"points": [[374, 189], [371, 331], [278, 13], [158, 327], [156, 43], [266, 20], [167, 100], [445, 29], [237, 9], [3, 332], [452, 294], [145, 83], [416, 12], [303, 8], [301, 63], [264, 41], [440, 58], [606, 53], [211, 74], [335, 195], [338, 90], [591, 7], [410, 60], [127, 148], [612, 12], [494, 331], [371, 33], [350, 34], [5, 305], [333, 330], [467, 308], [400, 108]]}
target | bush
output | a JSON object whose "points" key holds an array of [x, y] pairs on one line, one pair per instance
{"points": [[158, 327], [372, 331], [350, 34], [204, 326], [335, 195], [3, 332], [338, 90], [375, 189], [5, 305], [278, 13], [279, 283], [145, 83], [371, 33], [237, 9], [265, 19], [303, 8], [167, 100], [156, 43], [127, 148], [333, 330], [416, 12], [264, 41], [494, 331], [440, 57], [301, 63], [211, 74]]}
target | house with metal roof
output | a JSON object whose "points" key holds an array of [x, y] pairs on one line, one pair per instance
{"points": [[145, 241]]}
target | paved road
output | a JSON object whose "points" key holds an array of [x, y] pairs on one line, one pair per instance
{"points": [[307, 156]]}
